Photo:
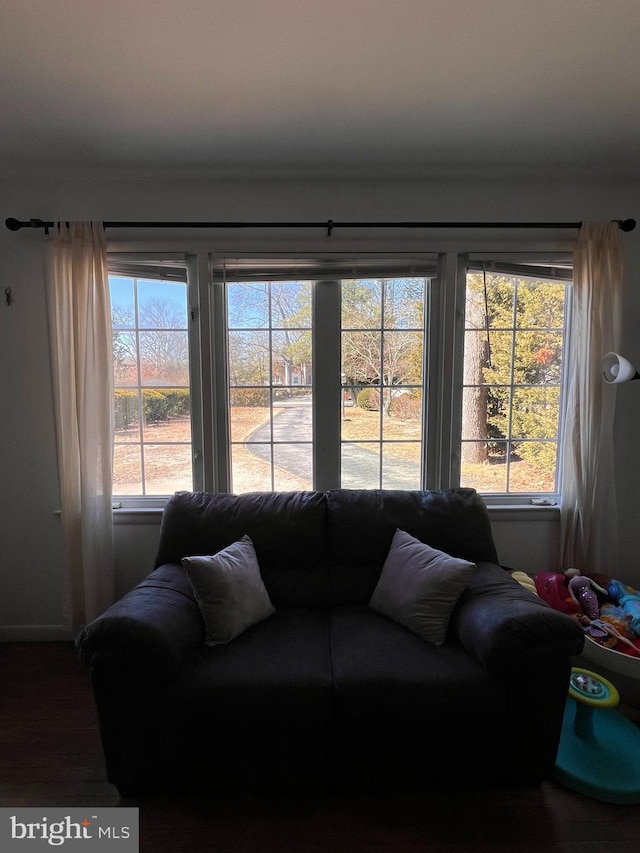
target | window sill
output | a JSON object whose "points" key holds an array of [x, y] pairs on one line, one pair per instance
{"points": [[501, 512], [520, 512], [137, 515]]}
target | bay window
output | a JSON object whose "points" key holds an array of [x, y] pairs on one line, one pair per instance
{"points": [[273, 373]]}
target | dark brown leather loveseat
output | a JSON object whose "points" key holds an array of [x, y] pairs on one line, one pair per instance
{"points": [[326, 688]]}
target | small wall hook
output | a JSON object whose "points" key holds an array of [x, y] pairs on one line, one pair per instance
{"points": [[7, 295]]}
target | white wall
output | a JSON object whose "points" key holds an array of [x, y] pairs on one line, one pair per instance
{"points": [[30, 541]]}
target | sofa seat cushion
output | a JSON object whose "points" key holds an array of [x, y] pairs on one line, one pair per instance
{"points": [[404, 706], [278, 672], [257, 709]]}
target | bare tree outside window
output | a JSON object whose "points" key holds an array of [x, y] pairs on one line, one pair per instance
{"points": [[152, 449]]}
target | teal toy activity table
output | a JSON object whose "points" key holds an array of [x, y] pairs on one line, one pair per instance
{"points": [[599, 751]]}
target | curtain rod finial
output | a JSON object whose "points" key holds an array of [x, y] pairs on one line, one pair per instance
{"points": [[14, 224], [626, 224]]}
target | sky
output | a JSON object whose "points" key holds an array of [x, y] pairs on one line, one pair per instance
{"points": [[122, 294]]}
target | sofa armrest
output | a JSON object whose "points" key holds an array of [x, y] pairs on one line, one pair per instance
{"points": [[150, 629], [506, 627]]}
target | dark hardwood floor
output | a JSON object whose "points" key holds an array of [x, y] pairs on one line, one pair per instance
{"points": [[50, 755]]}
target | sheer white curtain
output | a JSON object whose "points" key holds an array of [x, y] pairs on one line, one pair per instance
{"points": [[588, 512], [81, 357]]}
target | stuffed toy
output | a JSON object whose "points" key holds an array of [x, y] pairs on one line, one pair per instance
{"points": [[617, 590], [628, 600], [524, 580], [631, 606]]}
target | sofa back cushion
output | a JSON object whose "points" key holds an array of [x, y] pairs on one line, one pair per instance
{"points": [[362, 523], [288, 530]]}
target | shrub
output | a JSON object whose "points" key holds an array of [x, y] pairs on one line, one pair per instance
{"points": [[178, 401], [406, 407], [369, 399], [125, 408], [154, 406], [249, 397], [541, 454], [158, 404]]}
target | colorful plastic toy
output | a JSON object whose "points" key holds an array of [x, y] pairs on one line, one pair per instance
{"points": [[552, 588], [599, 751]]}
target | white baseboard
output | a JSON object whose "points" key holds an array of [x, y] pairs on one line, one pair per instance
{"points": [[34, 633]]}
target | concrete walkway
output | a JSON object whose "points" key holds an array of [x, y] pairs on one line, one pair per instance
{"points": [[360, 467]]}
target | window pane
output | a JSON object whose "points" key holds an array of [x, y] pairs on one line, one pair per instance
{"points": [[125, 359], [249, 358], [250, 414], [360, 466], [490, 301], [534, 466], [400, 465], [166, 415], [488, 475], [535, 413], [404, 421], [488, 357], [361, 357], [164, 358], [126, 415], [292, 418], [167, 468], [248, 472], [248, 306], [404, 303], [123, 310], [485, 414], [361, 304], [162, 305], [291, 358], [402, 352], [293, 466], [363, 420], [538, 358], [127, 469], [541, 304], [291, 304]]}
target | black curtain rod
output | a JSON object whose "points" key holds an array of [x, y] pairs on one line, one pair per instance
{"points": [[15, 224]]}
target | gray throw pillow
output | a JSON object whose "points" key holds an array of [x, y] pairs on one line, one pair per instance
{"points": [[419, 587], [229, 590]]}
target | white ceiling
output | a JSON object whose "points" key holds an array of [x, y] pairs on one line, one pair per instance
{"points": [[362, 88]]}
